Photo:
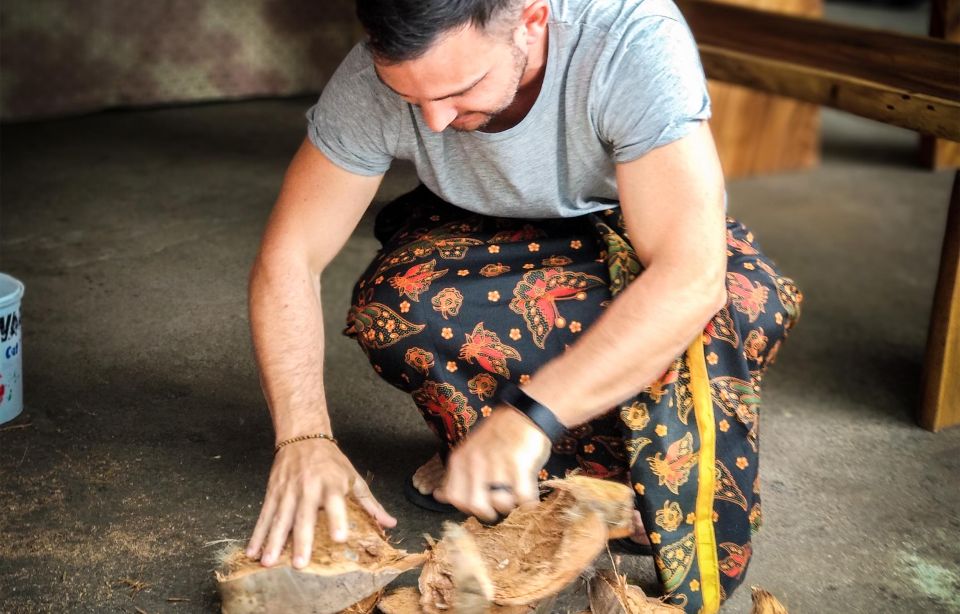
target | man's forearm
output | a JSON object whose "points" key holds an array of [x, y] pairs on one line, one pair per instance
{"points": [[632, 343], [286, 321]]}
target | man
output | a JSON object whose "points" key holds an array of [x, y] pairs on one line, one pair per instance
{"points": [[564, 148]]}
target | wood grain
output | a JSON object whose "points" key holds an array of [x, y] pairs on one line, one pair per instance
{"points": [[937, 153], [907, 81], [941, 375], [758, 132]]}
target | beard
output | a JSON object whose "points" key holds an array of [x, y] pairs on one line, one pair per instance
{"points": [[485, 117]]}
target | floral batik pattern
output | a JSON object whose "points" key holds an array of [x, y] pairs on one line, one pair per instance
{"points": [[456, 303]]}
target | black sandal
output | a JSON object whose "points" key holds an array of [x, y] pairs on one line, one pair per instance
{"points": [[625, 545], [427, 502]]}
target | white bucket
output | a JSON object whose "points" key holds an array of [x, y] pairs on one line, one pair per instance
{"points": [[11, 368]]}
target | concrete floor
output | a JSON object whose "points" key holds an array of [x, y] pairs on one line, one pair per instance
{"points": [[146, 435]]}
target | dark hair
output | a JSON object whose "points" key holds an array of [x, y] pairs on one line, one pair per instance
{"points": [[400, 30]]}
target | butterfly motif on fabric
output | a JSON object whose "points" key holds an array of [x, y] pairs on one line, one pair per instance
{"points": [[659, 386], [741, 399], [740, 245], [734, 564], [675, 560], [599, 470], [620, 258], [537, 293], [527, 233], [446, 240], [673, 470], [748, 297], [721, 327], [420, 359], [376, 326], [493, 270], [634, 445], [485, 347], [451, 406], [725, 487], [417, 279], [556, 261]]}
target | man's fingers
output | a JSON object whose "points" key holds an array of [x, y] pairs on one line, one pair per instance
{"points": [[336, 510], [303, 526], [525, 487], [263, 526], [362, 492], [479, 497], [279, 530], [455, 489], [500, 491]]}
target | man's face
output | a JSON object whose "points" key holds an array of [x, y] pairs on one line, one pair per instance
{"points": [[463, 81]]}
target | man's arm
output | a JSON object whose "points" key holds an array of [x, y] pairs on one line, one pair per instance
{"points": [[672, 202], [318, 208]]}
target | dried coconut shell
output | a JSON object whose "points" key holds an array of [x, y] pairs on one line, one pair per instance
{"points": [[340, 577], [765, 603], [609, 593], [535, 552]]}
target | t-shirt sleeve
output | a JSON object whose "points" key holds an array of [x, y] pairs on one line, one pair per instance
{"points": [[653, 91], [354, 123]]}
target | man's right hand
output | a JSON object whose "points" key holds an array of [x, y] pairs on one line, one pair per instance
{"points": [[308, 476]]}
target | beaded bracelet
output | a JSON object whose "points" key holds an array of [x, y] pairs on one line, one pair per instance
{"points": [[303, 438]]}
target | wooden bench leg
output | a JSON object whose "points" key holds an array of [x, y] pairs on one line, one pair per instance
{"points": [[941, 374]]}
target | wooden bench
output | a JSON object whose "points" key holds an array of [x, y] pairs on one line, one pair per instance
{"points": [[907, 81]]}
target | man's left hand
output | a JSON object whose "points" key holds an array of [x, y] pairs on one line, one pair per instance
{"points": [[494, 469]]}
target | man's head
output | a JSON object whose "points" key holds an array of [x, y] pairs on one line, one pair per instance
{"points": [[460, 61]]}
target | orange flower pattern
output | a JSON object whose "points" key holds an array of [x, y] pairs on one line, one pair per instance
{"points": [[651, 441]]}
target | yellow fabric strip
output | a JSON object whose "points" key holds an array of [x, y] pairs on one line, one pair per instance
{"points": [[703, 525]]}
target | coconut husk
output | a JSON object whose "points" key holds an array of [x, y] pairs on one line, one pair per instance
{"points": [[341, 577], [366, 606], [609, 593], [765, 603], [533, 554], [406, 600]]}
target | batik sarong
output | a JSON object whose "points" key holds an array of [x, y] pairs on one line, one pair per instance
{"points": [[456, 303]]}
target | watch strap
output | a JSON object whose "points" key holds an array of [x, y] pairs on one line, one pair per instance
{"points": [[537, 412]]}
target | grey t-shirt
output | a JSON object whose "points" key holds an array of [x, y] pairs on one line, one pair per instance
{"points": [[622, 78]]}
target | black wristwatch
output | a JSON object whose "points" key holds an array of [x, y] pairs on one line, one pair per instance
{"points": [[537, 412]]}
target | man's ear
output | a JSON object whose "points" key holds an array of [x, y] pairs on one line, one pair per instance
{"points": [[533, 21]]}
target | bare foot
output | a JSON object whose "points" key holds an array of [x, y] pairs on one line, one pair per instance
{"points": [[639, 534], [429, 477]]}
